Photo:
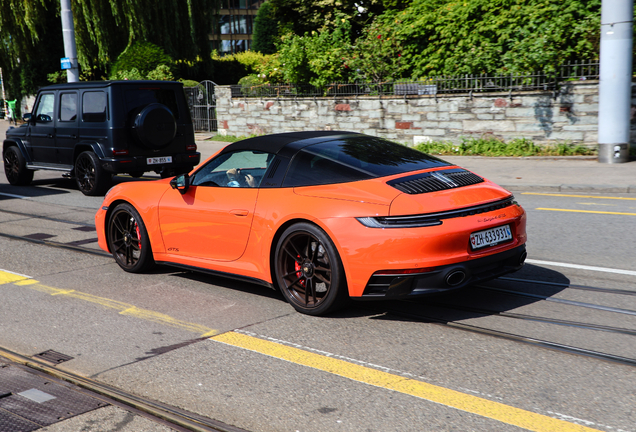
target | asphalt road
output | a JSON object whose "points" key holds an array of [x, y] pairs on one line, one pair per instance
{"points": [[551, 348]]}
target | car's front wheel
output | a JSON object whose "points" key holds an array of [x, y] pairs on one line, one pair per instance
{"points": [[15, 167], [309, 271], [128, 239], [91, 178]]}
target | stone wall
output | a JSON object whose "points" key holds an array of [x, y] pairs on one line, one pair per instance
{"points": [[544, 117]]}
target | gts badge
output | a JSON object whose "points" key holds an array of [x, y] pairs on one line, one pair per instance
{"points": [[173, 249]]}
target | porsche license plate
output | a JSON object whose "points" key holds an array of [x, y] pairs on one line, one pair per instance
{"points": [[490, 237], [159, 160]]}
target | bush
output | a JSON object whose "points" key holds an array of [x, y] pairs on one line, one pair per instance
{"points": [[144, 57], [490, 146], [230, 69]]}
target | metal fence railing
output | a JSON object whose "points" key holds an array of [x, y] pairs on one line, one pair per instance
{"points": [[458, 84]]}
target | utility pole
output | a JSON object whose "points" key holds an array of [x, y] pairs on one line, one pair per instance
{"points": [[70, 49], [5, 106], [615, 89]]}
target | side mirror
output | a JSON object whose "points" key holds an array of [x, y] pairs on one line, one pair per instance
{"points": [[181, 183], [27, 118]]}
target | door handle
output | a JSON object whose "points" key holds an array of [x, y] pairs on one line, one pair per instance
{"points": [[50, 135], [239, 212]]}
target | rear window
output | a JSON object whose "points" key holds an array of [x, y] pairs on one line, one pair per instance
{"points": [[140, 97], [353, 159]]}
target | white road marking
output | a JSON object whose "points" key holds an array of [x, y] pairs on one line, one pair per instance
{"points": [[583, 267], [13, 196]]}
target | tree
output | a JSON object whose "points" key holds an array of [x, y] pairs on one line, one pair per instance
{"points": [[30, 44], [487, 36], [105, 28], [265, 33], [319, 58], [304, 16]]}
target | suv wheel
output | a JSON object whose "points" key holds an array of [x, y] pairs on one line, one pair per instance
{"points": [[15, 167], [91, 178]]}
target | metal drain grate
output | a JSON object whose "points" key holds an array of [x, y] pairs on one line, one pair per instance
{"points": [[53, 357], [35, 401]]}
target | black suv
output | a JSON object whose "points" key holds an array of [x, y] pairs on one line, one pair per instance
{"points": [[93, 130]]}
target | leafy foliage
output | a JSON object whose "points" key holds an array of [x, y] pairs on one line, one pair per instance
{"points": [[106, 28], [319, 58], [486, 36], [304, 16], [265, 33], [490, 146], [143, 56], [230, 69]]}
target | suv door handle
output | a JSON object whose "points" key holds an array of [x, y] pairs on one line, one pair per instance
{"points": [[50, 135]]}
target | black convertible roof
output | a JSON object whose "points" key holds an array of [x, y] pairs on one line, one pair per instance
{"points": [[276, 142]]}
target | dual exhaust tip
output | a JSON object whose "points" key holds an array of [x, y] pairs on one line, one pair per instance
{"points": [[458, 276]]}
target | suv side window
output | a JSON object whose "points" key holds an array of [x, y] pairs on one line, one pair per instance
{"points": [[94, 106], [68, 107], [44, 112]]}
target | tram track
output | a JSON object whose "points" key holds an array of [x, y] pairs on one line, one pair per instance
{"points": [[175, 418], [513, 337], [405, 313]]}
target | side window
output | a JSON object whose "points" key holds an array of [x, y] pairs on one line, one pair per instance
{"points": [[239, 169], [68, 107], [44, 111], [94, 106]]}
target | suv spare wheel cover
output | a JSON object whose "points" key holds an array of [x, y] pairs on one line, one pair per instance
{"points": [[155, 126]]}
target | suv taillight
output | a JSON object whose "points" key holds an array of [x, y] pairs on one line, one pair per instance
{"points": [[191, 147], [120, 152]]}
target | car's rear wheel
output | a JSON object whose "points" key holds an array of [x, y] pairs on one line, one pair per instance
{"points": [[91, 178], [15, 167], [309, 271], [128, 239]]}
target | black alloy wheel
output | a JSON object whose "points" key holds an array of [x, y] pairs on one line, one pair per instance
{"points": [[91, 178], [15, 167], [128, 239], [309, 271]]}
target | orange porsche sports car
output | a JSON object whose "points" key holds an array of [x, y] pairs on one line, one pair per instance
{"points": [[322, 216]]}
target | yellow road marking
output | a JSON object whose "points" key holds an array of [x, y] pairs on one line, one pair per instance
{"points": [[8, 277], [451, 398], [588, 211], [123, 308], [578, 196]]}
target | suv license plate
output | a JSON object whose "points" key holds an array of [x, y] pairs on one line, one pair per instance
{"points": [[490, 237], [159, 160]]}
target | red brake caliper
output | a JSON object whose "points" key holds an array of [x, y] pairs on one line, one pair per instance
{"points": [[299, 272], [138, 235]]}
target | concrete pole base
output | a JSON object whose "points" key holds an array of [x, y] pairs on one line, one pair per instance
{"points": [[613, 153]]}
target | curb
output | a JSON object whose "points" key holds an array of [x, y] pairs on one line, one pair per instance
{"points": [[570, 188]]}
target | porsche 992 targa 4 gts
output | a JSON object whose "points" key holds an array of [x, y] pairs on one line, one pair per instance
{"points": [[322, 216]]}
